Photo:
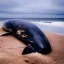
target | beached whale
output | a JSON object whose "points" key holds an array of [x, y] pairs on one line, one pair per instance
{"points": [[30, 34]]}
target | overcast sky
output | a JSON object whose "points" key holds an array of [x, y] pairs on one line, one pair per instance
{"points": [[31, 8]]}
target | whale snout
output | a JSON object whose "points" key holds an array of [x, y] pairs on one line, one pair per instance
{"points": [[7, 26]]}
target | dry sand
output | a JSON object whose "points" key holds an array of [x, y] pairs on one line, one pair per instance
{"points": [[11, 51]]}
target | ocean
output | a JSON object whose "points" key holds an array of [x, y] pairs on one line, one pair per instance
{"points": [[51, 25]]}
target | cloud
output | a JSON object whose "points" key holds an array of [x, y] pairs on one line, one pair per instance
{"points": [[20, 7]]}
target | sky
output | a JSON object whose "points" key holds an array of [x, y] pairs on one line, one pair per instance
{"points": [[31, 8]]}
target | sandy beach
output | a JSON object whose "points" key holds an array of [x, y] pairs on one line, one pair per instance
{"points": [[11, 51]]}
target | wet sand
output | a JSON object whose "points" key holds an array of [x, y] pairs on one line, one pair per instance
{"points": [[11, 51]]}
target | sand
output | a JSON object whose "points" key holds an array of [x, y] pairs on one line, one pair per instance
{"points": [[11, 51]]}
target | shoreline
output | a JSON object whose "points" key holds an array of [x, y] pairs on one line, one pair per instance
{"points": [[55, 27]]}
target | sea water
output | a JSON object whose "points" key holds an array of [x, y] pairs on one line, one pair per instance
{"points": [[50, 25]]}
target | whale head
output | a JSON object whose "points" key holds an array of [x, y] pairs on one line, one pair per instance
{"points": [[7, 26]]}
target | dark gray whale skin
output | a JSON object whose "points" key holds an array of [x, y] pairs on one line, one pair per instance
{"points": [[30, 34]]}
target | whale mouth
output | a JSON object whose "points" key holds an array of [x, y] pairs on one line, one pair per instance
{"points": [[6, 29]]}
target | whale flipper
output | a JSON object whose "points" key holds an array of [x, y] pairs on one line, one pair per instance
{"points": [[6, 34], [28, 49]]}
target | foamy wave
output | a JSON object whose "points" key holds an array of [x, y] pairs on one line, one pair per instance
{"points": [[59, 24]]}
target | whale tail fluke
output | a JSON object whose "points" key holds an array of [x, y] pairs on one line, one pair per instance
{"points": [[28, 49]]}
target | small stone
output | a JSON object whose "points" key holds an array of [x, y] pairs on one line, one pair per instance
{"points": [[27, 61]]}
